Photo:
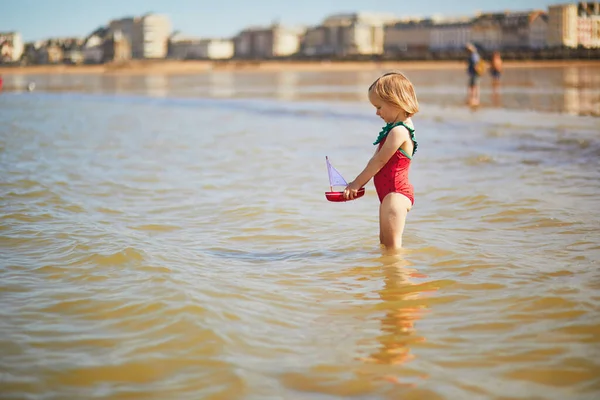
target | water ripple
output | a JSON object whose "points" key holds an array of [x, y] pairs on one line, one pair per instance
{"points": [[183, 248]]}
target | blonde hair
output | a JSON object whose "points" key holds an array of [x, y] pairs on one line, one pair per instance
{"points": [[396, 89]]}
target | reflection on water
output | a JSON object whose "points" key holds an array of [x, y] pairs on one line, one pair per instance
{"points": [[286, 85], [221, 84], [580, 96], [17, 82], [572, 89], [403, 303], [156, 85]]}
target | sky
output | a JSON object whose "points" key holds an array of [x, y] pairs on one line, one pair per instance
{"points": [[41, 19]]}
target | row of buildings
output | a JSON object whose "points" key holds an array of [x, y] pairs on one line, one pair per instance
{"points": [[151, 37], [144, 37]]}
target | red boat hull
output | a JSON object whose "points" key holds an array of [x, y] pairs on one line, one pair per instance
{"points": [[338, 197]]}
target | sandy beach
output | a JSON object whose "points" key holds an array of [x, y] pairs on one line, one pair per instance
{"points": [[194, 67]]}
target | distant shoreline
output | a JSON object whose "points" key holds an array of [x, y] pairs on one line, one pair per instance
{"points": [[144, 67]]}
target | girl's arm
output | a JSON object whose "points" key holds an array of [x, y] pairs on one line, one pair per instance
{"points": [[374, 154], [395, 139]]}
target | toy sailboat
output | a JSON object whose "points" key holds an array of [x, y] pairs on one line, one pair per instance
{"points": [[336, 179]]}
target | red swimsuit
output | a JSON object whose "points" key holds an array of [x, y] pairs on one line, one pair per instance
{"points": [[393, 177]]}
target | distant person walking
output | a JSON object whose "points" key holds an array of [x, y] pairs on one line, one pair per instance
{"points": [[475, 69]]}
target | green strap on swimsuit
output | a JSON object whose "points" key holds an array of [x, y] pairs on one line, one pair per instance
{"points": [[386, 129]]}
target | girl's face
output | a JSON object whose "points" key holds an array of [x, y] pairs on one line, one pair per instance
{"points": [[386, 111]]}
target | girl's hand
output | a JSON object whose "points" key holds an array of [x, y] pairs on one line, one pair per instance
{"points": [[351, 190]]}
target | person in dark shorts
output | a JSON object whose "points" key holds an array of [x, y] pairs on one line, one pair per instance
{"points": [[474, 70], [496, 72], [496, 67]]}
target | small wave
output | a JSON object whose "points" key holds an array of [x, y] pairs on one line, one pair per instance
{"points": [[156, 227], [480, 159], [127, 255]]}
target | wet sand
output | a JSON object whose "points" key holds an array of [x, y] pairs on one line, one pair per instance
{"points": [[571, 89], [193, 67]]}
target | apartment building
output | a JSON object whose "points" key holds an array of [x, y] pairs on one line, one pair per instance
{"points": [[50, 53], [515, 30], [588, 24], [412, 37], [150, 36], [116, 48], [92, 49], [11, 46], [538, 27], [510, 30], [123, 26], [595, 42], [562, 25], [450, 35], [182, 47], [267, 42], [487, 31], [347, 34], [216, 49], [186, 48]]}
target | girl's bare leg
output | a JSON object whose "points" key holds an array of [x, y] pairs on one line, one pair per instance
{"points": [[392, 218]]}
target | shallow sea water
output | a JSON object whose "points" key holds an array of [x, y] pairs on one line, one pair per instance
{"points": [[173, 242]]}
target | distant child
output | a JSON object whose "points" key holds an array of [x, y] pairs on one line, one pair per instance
{"points": [[496, 67], [496, 72], [394, 98]]}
